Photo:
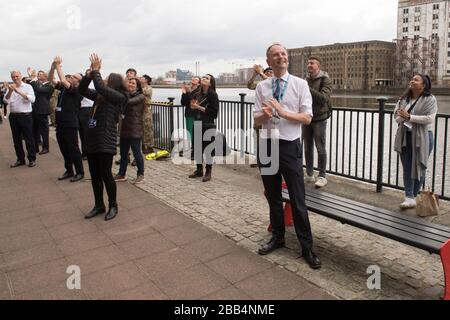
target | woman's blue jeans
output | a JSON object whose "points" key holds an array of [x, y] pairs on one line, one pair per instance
{"points": [[412, 186], [135, 144]]}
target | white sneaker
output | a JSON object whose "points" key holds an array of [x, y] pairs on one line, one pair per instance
{"points": [[409, 203], [321, 182], [310, 179]]}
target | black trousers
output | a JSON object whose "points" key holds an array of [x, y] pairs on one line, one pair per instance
{"points": [[100, 167], [68, 145], [290, 168], [83, 121], [40, 130], [22, 128]]}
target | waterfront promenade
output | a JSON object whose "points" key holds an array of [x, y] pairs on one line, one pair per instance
{"points": [[150, 251], [182, 239]]}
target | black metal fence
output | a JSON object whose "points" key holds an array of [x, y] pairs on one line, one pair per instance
{"points": [[360, 141]]}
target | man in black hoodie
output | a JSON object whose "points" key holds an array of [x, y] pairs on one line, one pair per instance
{"points": [[69, 104], [43, 91]]}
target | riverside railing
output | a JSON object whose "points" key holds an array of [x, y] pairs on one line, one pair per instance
{"points": [[360, 141]]}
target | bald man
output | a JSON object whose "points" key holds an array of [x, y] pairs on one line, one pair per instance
{"points": [[19, 98]]}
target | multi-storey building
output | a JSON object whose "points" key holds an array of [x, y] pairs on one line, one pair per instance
{"points": [[423, 44], [351, 66]]}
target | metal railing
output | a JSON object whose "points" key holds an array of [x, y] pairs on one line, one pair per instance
{"points": [[360, 142]]}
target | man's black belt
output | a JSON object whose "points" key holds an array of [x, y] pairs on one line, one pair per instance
{"points": [[21, 113]]}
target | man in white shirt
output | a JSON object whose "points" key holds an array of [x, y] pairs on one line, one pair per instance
{"points": [[19, 97], [282, 105]]}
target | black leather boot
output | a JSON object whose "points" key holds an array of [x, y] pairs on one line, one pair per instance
{"points": [[207, 176], [197, 173], [96, 211], [112, 212]]}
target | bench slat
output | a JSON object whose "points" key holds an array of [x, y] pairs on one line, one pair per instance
{"points": [[438, 234], [380, 229], [313, 204], [445, 230]]}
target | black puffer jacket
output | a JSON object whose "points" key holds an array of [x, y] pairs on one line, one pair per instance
{"points": [[132, 124], [106, 111]]}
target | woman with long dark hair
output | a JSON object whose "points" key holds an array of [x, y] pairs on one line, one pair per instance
{"points": [[206, 103], [110, 98], [415, 114], [132, 131]]}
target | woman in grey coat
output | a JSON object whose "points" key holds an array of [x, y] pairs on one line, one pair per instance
{"points": [[415, 114]]}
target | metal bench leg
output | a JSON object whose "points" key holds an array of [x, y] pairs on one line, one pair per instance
{"points": [[445, 257]]}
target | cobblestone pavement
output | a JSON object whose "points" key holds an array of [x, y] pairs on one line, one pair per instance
{"points": [[233, 205]]}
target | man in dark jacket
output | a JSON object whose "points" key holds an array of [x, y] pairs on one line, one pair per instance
{"points": [[43, 91], [69, 104], [320, 87]]}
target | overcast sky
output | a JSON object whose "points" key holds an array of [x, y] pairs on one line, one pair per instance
{"points": [[157, 36]]}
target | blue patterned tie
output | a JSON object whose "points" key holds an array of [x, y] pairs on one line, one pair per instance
{"points": [[277, 93]]}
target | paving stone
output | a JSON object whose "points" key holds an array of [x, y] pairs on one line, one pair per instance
{"points": [[38, 276], [98, 259], [239, 265], [192, 283], [114, 281], [21, 259], [166, 263]]}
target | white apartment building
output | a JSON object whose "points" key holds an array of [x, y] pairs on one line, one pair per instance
{"points": [[423, 40]]}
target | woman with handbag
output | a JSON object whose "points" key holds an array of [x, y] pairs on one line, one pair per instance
{"points": [[206, 102], [415, 114]]}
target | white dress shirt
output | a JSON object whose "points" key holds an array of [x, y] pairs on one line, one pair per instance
{"points": [[17, 104], [296, 99], [86, 103]]}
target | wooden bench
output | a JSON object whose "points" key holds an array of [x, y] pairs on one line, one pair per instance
{"points": [[415, 232]]}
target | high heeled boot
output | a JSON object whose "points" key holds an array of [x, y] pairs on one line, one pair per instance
{"points": [[207, 176], [197, 173]]}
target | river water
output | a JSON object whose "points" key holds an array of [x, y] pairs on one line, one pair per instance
{"points": [[342, 101]]}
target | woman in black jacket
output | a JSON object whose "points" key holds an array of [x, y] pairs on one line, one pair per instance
{"points": [[110, 99], [206, 103], [132, 131]]}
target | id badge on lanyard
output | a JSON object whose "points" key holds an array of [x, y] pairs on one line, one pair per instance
{"points": [[92, 123]]}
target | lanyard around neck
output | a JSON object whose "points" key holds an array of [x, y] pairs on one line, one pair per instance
{"points": [[283, 91]]}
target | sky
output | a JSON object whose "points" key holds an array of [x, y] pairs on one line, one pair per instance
{"points": [[157, 36]]}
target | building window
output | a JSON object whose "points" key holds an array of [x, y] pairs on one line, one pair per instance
{"points": [[435, 26], [405, 20], [435, 16], [435, 6], [405, 29], [417, 19], [417, 9], [405, 11], [417, 28]]}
